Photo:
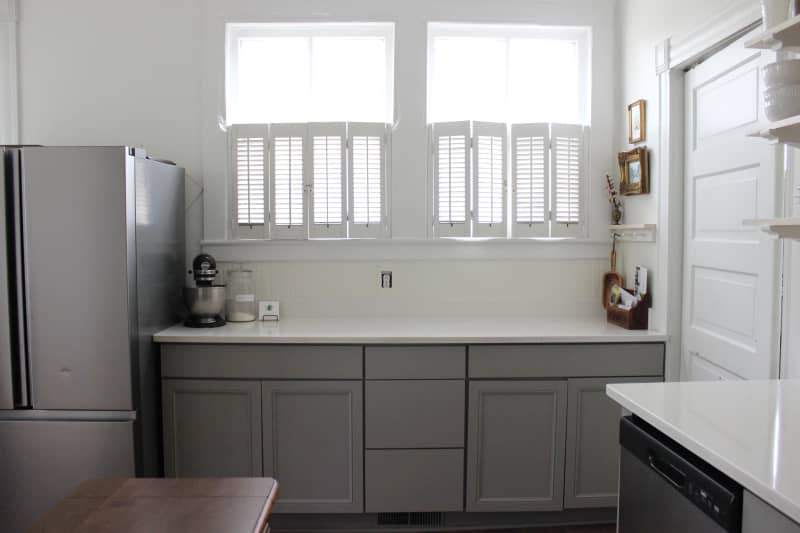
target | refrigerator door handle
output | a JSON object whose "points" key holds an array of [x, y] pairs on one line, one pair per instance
{"points": [[17, 294]]}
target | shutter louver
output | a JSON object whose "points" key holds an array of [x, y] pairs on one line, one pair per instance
{"points": [[327, 180], [531, 179], [249, 169], [367, 179], [489, 153], [567, 165], [288, 179], [451, 178]]}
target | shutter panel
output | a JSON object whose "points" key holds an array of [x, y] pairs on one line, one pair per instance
{"points": [[289, 164], [567, 164], [248, 173], [327, 195], [367, 181], [489, 184], [530, 180], [451, 179]]}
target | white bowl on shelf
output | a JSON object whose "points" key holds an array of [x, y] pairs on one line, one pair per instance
{"points": [[782, 102], [782, 73]]}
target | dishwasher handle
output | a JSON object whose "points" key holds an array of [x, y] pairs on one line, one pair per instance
{"points": [[668, 471]]}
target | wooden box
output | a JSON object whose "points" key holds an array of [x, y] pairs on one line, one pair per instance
{"points": [[634, 318]]}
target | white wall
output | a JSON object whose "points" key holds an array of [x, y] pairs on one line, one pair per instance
{"points": [[642, 25], [151, 74], [115, 73]]}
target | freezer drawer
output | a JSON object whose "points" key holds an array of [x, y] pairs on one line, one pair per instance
{"points": [[42, 460]]}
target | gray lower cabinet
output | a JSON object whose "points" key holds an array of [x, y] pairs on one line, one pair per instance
{"points": [[212, 428], [760, 517], [314, 445], [516, 445], [592, 462]]}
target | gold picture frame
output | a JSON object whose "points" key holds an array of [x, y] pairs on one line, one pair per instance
{"points": [[634, 171], [637, 122]]}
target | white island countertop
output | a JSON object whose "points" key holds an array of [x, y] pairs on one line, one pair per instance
{"points": [[356, 330], [750, 430]]}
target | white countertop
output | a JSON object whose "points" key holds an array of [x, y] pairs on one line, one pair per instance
{"points": [[750, 430], [357, 330]]}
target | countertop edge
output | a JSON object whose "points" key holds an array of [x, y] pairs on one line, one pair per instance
{"points": [[748, 482], [585, 339]]}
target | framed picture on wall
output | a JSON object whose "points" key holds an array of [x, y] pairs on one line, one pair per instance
{"points": [[634, 171], [637, 122]]}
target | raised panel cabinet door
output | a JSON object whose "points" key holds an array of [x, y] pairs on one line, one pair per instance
{"points": [[591, 474], [212, 428], [516, 445], [314, 445]]}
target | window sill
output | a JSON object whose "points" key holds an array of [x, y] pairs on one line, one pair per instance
{"points": [[253, 250]]}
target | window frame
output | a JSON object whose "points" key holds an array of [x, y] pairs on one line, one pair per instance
{"points": [[234, 31], [581, 34]]}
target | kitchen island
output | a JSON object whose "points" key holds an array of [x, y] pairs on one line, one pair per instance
{"points": [[373, 422], [748, 430]]}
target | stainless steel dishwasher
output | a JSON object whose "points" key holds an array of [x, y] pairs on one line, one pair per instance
{"points": [[664, 488]]}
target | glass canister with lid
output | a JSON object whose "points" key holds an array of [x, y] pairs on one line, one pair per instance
{"points": [[240, 302]]}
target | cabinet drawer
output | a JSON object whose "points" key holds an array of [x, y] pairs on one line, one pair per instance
{"points": [[414, 480], [253, 361], [566, 360], [415, 414], [416, 362]]}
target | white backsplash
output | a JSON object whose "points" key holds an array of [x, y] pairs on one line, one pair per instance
{"points": [[454, 288]]}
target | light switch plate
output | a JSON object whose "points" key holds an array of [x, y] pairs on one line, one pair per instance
{"points": [[269, 310]]}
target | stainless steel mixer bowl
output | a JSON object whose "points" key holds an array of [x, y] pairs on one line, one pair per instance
{"points": [[205, 303]]}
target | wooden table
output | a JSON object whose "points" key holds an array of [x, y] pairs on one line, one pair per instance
{"points": [[223, 505]]}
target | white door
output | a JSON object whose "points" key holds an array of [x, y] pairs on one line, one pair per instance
{"points": [[730, 298]]}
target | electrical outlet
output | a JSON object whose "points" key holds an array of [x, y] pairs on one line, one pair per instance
{"points": [[386, 279]]}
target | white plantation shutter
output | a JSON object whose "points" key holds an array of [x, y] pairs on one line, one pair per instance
{"points": [[248, 161], [489, 185], [367, 178], [567, 164], [451, 178], [327, 196], [289, 169], [530, 180]]}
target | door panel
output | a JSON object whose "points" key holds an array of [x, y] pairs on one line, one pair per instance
{"points": [[730, 285], [212, 428], [313, 444], [516, 445], [591, 476], [74, 217]]}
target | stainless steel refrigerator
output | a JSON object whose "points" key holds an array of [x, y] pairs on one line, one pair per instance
{"points": [[91, 265]]}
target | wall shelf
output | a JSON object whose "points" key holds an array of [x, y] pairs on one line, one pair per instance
{"points": [[781, 228], [784, 131], [634, 232], [784, 35]]}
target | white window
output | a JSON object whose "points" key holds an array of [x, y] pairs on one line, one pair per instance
{"points": [[518, 97], [309, 106], [315, 72]]}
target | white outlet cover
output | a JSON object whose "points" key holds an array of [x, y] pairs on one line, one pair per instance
{"points": [[269, 310]]}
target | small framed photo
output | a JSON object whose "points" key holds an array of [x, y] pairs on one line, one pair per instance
{"points": [[634, 171], [637, 122]]}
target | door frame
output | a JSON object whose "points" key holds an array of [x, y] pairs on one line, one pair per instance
{"points": [[672, 57]]}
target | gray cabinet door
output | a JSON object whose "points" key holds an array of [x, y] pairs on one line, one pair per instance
{"points": [[760, 517], [212, 428], [314, 446], [516, 445], [592, 463]]}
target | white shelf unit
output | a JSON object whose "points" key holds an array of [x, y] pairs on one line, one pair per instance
{"points": [[634, 232], [783, 35], [783, 131], [781, 228]]}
